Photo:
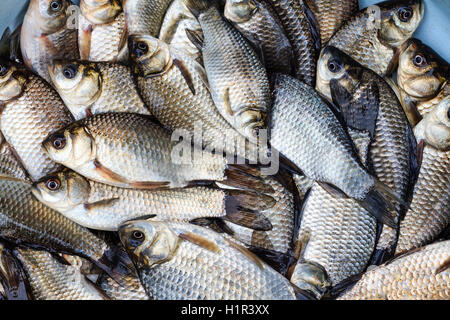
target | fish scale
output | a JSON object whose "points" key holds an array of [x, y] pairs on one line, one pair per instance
{"points": [[28, 119], [145, 17]]}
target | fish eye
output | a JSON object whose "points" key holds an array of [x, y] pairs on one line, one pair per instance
{"points": [[55, 5], [137, 235], [140, 49], [405, 14], [53, 184], [333, 66], [59, 142], [3, 70], [70, 71], [419, 60]]}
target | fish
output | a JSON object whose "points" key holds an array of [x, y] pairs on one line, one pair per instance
{"points": [[331, 14], [102, 32], [237, 79], [12, 280], [177, 21], [10, 166], [375, 41], [304, 129], [259, 23], [130, 288], [89, 88], [368, 103], [299, 24], [145, 17], [303, 184], [160, 72], [338, 235], [31, 110], [50, 279], [129, 150], [98, 206], [47, 33], [422, 78], [420, 274], [171, 257], [24, 220], [429, 212]]}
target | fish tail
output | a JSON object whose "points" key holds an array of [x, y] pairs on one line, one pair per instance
{"points": [[245, 177], [379, 201], [197, 7], [245, 208], [116, 263]]}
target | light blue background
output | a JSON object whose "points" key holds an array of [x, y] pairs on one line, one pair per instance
{"points": [[434, 30]]}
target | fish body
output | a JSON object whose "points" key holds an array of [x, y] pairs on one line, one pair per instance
{"points": [[331, 14], [102, 31], [368, 103], [96, 87], [32, 110], [237, 79], [259, 23], [421, 274], [177, 20], [299, 30], [378, 48], [161, 73], [129, 289], [46, 34], [429, 212], [128, 150], [338, 234], [145, 17], [301, 120], [182, 261], [10, 165], [51, 280]]}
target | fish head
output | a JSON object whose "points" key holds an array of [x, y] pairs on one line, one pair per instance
{"points": [[434, 129], [72, 146], [149, 55], [148, 242], [12, 81], [421, 72], [336, 66], [49, 16], [239, 11], [100, 11], [62, 191], [78, 83], [399, 20]]}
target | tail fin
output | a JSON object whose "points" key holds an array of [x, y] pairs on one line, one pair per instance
{"points": [[379, 202], [116, 263], [12, 277], [245, 178], [244, 208], [199, 6]]}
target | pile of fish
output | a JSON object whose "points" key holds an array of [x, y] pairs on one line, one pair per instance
{"points": [[238, 149]]}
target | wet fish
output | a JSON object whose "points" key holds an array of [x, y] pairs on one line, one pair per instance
{"points": [[368, 103], [96, 87], [102, 207], [13, 283], [172, 257], [331, 14], [162, 71], [144, 16], [378, 48], [422, 77], [31, 110], [237, 78], [299, 25], [337, 235], [259, 23], [421, 274], [129, 289], [24, 220], [102, 33], [47, 33], [429, 213], [301, 120], [50, 279], [9, 164], [177, 20]]}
